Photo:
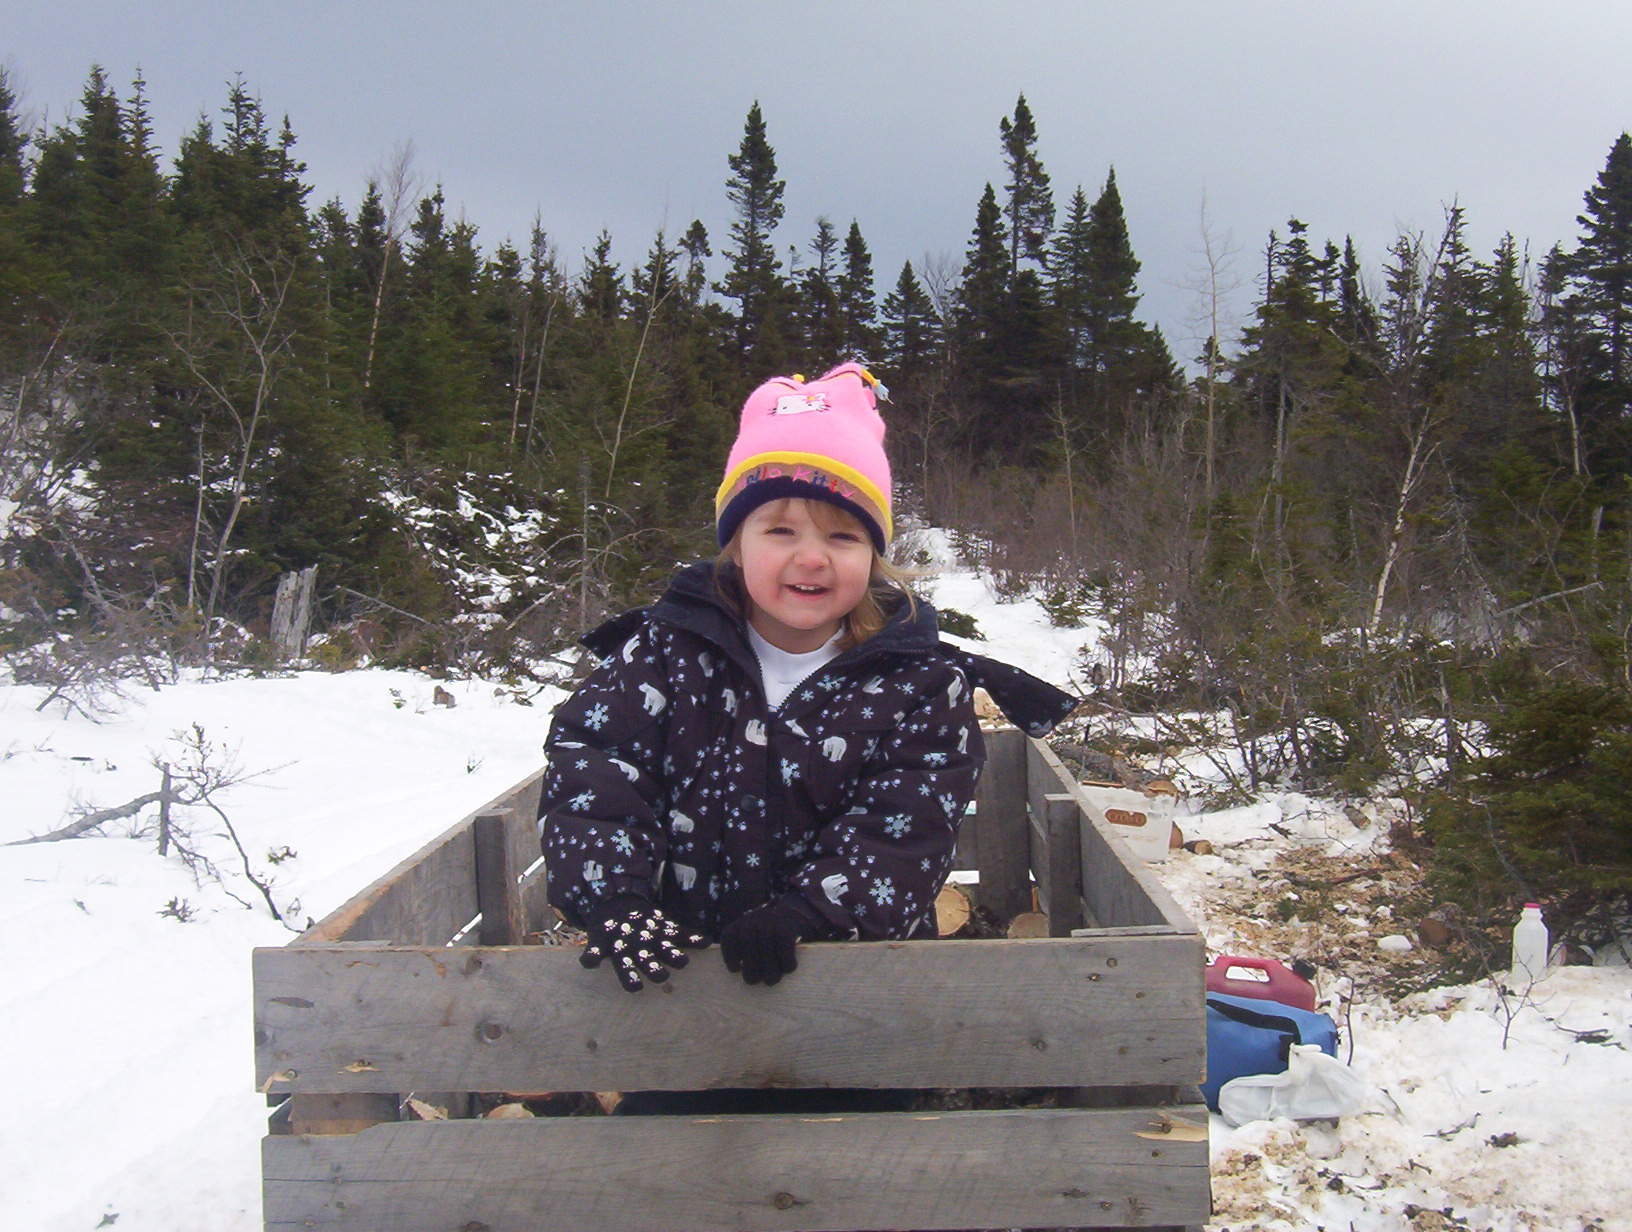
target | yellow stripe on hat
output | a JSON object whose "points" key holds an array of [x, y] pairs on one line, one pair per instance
{"points": [[865, 487]]}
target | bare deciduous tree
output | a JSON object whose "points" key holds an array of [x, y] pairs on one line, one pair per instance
{"points": [[398, 184], [236, 344]]}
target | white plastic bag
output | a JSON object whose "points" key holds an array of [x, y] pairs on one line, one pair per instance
{"points": [[1314, 1087]]}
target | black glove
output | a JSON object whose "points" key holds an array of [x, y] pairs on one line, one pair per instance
{"points": [[761, 943], [639, 939]]}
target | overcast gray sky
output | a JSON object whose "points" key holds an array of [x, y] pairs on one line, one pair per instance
{"points": [[1361, 119]]}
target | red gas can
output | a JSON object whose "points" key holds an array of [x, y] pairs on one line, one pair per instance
{"points": [[1260, 977]]}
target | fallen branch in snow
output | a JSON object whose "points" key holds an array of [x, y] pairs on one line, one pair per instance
{"points": [[1456, 1129], [390, 607], [92, 820], [1316, 883]]}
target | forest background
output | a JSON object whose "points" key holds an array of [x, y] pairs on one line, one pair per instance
{"points": [[1383, 533]]}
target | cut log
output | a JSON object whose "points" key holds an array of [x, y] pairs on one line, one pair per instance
{"points": [[1029, 924], [951, 910]]}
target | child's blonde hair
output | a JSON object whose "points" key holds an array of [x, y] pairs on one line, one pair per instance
{"points": [[886, 587]]}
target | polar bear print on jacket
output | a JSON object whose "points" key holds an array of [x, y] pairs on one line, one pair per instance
{"points": [[652, 699]]}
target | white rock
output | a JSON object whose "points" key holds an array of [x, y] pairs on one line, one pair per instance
{"points": [[1395, 943]]}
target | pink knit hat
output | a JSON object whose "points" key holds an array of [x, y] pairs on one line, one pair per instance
{"points": [[822, 439]]}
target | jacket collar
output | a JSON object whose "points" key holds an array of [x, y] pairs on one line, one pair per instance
{"points": [[693, 602]]}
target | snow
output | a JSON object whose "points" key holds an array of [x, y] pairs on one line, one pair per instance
{"points": [[136, 1097], [131, 1093], [1508, 1108]]}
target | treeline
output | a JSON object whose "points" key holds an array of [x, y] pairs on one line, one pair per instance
{"points": [[1384, 512], [246, 375]]}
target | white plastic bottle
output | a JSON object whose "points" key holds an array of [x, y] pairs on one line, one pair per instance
{"points": [[1529, 946]]}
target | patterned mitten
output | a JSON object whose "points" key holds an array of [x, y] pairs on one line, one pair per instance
{"points": [[761, 943], [639, 939]]}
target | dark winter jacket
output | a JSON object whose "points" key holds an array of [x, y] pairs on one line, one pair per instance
{"points": [[671, 778]]}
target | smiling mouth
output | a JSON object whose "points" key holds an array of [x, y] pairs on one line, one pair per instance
{"points": [[808, 591]]}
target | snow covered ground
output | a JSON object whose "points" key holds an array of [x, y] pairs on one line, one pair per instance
{"points": [[130, 1100]]}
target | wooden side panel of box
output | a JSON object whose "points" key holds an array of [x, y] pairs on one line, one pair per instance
{"points": [[1013, 1168], [1124, 1009]]}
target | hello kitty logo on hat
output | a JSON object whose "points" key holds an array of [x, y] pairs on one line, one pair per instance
{"points": [[799, 404], [821, 440]]}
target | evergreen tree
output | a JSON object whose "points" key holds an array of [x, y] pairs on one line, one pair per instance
{"points": [[856, 304], [696, 247], [1030, 207], [1356, 312], [823, 323], [97, 197], [1108, 286], [248, 184], [1098, 296], [428, 380], [600, 286], [1571, 360], [13, 143], [983, 291], [754, 277], [1071, 269], [1450, 343], [22, 275], [911, 329], [1603, 262], [1602, 280]]}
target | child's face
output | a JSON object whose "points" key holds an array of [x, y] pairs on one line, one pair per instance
{"points": [[806, 565]]}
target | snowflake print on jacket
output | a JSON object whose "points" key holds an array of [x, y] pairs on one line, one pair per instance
{"points": [[672, 779]]}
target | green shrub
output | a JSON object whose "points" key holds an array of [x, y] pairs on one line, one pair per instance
{"points": [[958, 624]]}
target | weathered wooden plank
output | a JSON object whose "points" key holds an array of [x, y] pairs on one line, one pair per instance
{"points": [[1056, 867], [1002, 848], [1118, 888], [1041, 870], [1061, 820], [1019, 1168], [522, 803], [497, 893], [427, 898], [1084, 1011], [535, 904]]}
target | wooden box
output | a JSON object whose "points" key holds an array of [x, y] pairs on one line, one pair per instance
{"points": [[374, 1005]]}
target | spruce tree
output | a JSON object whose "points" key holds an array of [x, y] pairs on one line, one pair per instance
{"points": [[856, 306], [98, 197], [1109, 287], [1603, 262], [983, 289], [1030, 207], [911, 329], [696, 247], [1357, 314], [754, 277], [22, 275], [820, 312], [600, 286], [13, 142], [1070, 270], [1602, 282]]}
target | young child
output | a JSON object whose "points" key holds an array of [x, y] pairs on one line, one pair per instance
{"points": [[781, 749]]}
